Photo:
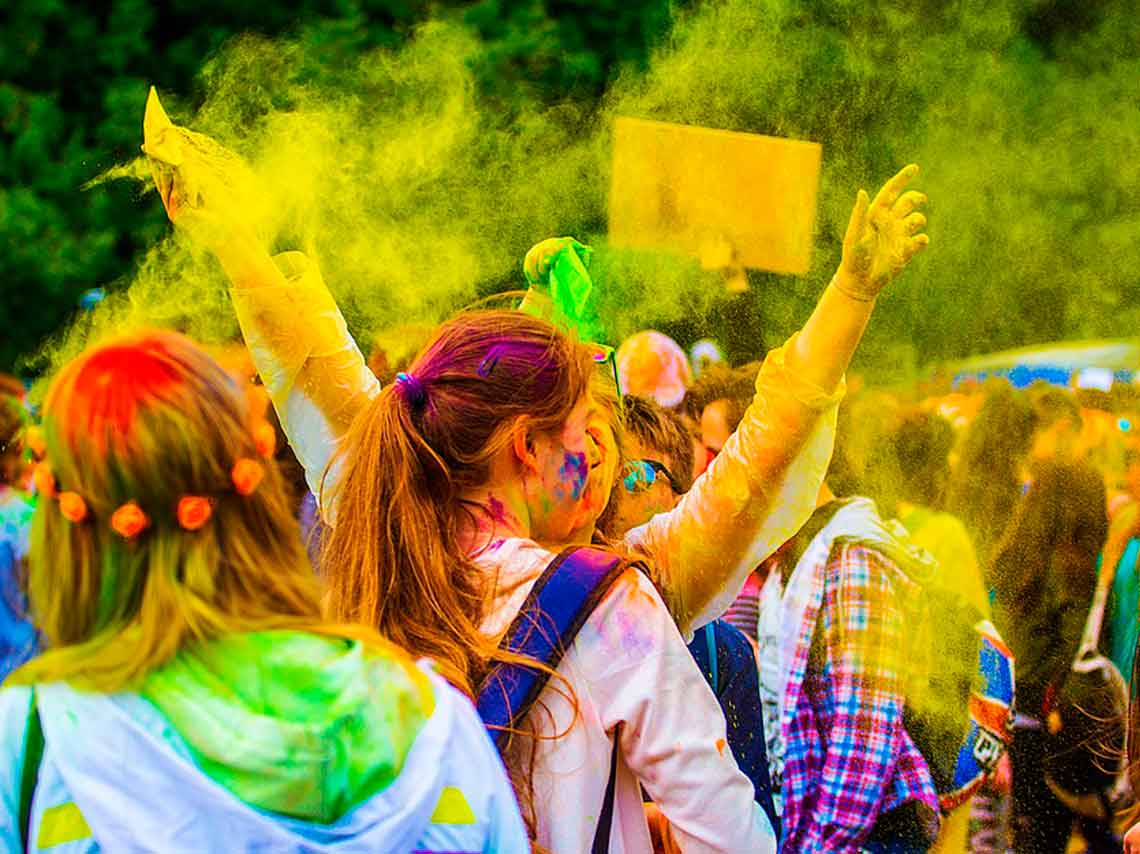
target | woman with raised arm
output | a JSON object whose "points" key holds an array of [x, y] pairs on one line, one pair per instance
{"points": [[454, 489], [192, 697]]}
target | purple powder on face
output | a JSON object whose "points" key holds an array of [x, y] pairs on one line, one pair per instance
{"points": [[575, 472]]}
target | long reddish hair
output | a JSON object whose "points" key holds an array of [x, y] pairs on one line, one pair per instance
{"points": [[395, 558]]}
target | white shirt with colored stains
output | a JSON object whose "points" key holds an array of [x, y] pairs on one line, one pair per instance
{"points": [[630, 661]]}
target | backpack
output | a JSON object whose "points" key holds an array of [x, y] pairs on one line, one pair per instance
{"points": [[556, 608], [1087, 723], [959, 690]]}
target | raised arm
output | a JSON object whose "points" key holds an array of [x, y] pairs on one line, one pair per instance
{"points": [[881, 238], [763, 485], [315, 374]]}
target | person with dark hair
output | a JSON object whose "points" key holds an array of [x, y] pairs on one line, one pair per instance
{"points": [[921, 442], [986, 484], [1045, 573], [866, 647], [657, 444]]}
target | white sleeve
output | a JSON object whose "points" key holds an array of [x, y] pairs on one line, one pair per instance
{"points": [[315, 374], [644, 683], [754, 496], [14, 706], [506, 831]]}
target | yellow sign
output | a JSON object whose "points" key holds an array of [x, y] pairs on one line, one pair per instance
{"points": [[730, 199]]}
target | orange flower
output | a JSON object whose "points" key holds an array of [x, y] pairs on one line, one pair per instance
{"points": [[247, 475], [265, 438], [194, 511], [34, 439], [129, 521], [44, 480], [72, 506]]}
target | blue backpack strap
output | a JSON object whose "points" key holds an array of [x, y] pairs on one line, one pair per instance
{"points": [[558, 606]]}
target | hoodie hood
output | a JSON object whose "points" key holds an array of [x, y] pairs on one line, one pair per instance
{"points": [[287, 741], [290, 722]]}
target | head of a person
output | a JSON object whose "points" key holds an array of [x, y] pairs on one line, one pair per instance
{"points": [[922, 442], [717, 402], [986, 482], [1058, 425], [161, 522], [12, 423], [500, 415], [653, 365], [863, 461], [1062, 523], [658, 466]]}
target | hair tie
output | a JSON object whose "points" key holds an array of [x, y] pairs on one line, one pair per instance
{"points": [[72, 506], [412, 389], [246, 476], [194, 511], [129, 521]]}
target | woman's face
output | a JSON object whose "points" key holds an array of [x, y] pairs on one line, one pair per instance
{"points": [[576, 470]]}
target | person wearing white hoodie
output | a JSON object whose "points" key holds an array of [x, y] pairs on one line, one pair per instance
{"points": [[456, 486], [191, 697]]}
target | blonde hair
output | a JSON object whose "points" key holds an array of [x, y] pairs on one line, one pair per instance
{"points": [[150, 418]]}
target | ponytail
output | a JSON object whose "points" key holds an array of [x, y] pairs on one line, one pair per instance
{"points": [[428, 596]]}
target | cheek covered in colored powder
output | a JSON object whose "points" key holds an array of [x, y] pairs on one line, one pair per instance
{"points": [[573, 474]]}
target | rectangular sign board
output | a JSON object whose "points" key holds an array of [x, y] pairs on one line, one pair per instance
{"points": [[691, 189]]}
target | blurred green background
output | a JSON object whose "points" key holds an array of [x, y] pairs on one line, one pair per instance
{"points": [[1026, 116]]}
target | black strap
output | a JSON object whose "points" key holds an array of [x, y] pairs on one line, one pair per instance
{"points": [[606, 817], [33, 756]]}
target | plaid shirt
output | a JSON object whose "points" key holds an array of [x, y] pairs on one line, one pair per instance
{"points": [[848, 758]]}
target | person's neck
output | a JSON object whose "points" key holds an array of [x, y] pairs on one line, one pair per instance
{"points": [[499, 512], [583, 536]]}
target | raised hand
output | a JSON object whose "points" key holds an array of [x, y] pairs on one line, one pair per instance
{"points": [[882, 236], [206, 189], [538, 261]]}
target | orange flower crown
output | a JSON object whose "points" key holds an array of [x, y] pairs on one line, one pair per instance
{"points": [[192, 511]]}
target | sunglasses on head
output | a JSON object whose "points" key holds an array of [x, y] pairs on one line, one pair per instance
{"points": [[606, 358], [640, 475]]}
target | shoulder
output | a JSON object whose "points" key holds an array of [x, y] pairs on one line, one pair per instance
{"points": [[15, 705], [629, 627], [853, 563], [862, 585]]}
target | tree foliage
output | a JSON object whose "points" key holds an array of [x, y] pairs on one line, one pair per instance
{"points": [[1022, 112]]}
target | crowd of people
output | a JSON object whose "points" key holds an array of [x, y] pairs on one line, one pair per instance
{"points": [[521, 591]]}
